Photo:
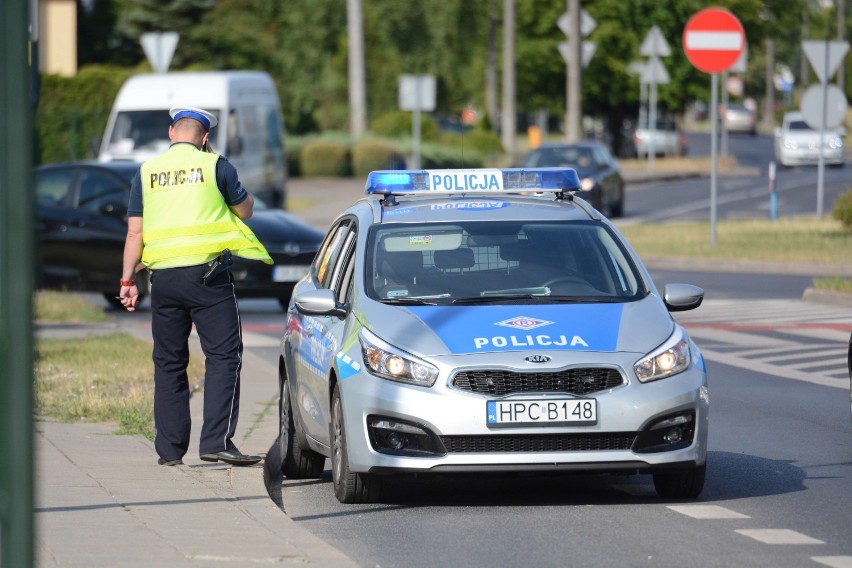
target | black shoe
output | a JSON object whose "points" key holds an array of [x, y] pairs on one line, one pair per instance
{"points": [[232, 456], [162, 461]]}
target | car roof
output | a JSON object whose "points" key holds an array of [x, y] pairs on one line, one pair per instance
{"points": [[462, 209], [438, 196], [120, 167]]}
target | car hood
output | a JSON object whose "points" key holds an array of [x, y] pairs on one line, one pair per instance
{"points": [[275, 226], [636, 327]]}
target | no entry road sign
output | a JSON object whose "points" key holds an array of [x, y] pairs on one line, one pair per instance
{"points": [[713, 40]]}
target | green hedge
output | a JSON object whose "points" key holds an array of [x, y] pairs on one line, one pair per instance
{"points": [[72, 112], [369, 155], [843, 209], [324, 158]]}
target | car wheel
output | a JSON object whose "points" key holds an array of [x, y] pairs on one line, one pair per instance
{"points": [[297, 462], [686, 484], [849, 364], [617, 208], [349, 487]]}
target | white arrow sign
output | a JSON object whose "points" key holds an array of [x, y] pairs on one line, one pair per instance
{"points": [[587, 23], [825, 56], [740, 65], [159, 48], [587, 51], [655, 44]]}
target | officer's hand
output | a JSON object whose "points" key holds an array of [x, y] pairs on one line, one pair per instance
{"points": [[129, 296]]}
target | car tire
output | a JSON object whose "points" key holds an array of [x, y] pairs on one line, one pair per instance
{"points": [[686, 484], [349, 486], [297, 462]]}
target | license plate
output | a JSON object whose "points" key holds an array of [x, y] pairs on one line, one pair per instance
{"points": [[542, 412], [289, 272]]}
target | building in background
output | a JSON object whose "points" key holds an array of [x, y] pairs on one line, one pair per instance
{"points": [[58, 37]]}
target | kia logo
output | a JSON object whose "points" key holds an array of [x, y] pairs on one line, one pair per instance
{"points": [[537, 359]]}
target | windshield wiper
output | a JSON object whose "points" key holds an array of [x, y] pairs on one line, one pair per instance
{"points": [[498, 298], [411, 301]]}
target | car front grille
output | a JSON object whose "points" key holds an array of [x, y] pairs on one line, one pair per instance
{"points": [[539, 443], [579, 381]]}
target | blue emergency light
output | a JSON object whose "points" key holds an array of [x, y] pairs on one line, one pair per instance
{"points": [[505, 180]]}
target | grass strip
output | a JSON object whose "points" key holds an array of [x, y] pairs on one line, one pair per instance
{"points": [[108, 378], [794, 240]]}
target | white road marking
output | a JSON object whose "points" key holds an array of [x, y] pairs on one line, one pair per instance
{"points": [[834, 561], [778, 536], [707, 512]]}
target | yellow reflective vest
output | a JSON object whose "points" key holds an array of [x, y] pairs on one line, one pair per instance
{"points": [[185, 220]]}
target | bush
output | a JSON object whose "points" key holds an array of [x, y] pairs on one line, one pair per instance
{"points": [[483, 141], [398, 124], [843, 209], [324, 158], [369, 155], [72, 111]]}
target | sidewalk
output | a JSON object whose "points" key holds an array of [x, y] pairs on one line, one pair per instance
{"points": [[102, 501]]}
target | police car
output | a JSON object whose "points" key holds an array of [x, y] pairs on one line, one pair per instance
{"points": [[489, 320]]}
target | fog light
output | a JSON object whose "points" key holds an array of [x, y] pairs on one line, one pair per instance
{"points": [[674, 435], [397, 437], [666, 434], [394, 441]]}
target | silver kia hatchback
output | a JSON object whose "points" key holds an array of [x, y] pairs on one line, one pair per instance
{"points": [[478, 321]]}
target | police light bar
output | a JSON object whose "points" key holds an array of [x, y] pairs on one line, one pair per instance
{"points": [[493, 180]]}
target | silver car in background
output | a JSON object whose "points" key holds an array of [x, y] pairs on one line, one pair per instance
{"points": [[487, 321], [797, 144]]}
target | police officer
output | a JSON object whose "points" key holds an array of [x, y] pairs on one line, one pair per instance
{"points": [[193, 210]]}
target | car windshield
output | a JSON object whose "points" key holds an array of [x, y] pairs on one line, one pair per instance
{"points": [[499, 261], [576, 157], [798, 125], [144, 130]]}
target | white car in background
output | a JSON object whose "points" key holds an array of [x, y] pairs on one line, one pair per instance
{"points": [[798, 144]]}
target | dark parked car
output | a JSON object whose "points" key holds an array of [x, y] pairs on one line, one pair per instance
{"points": [[82, 225], [596, 167]]}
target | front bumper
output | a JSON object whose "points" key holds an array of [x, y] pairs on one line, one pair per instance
{"points": [[807, 156], [460, 440]]}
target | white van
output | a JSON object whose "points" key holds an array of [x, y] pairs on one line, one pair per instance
{"points": [[250, 132]]}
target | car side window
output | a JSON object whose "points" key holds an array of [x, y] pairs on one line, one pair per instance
{"points": [[345, 269], [325, 261], [52, 188], [98, 189]]}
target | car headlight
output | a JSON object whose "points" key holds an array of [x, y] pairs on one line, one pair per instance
{"points": [[671, 358], [587, 184], [835, 143], [386, 361]]}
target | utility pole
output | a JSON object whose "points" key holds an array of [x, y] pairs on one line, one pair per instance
{"points": [[491, 109], [573, 104], [508, 119], [357, 73], [16, 275], [841, 36], [769, 98]]}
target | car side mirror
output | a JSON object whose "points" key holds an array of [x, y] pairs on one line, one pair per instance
{"points": [[777, 131], [682, 297], [319, 303]]}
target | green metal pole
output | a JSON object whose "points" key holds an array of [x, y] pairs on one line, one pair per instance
{"points": [[16, 274]]}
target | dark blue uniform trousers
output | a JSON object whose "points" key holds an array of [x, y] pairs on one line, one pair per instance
{"points": [[179, 298]]}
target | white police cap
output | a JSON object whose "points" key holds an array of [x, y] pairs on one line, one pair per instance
{"points": [[202, 116]]}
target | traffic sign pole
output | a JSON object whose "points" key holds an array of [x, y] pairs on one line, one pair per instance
{"points": [[714, 87], [713, 41]]}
